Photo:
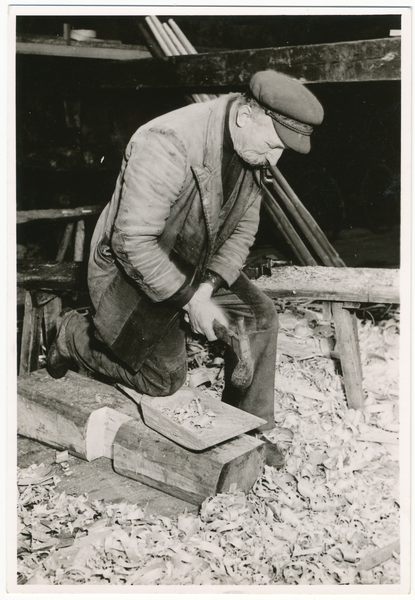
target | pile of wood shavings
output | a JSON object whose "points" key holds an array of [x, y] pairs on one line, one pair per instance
{"points": [[192, 416], [331, 516]]}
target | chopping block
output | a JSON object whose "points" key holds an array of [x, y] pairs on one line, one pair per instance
{"points": [[91, 420]]}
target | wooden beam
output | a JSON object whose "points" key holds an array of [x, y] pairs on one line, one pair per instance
{"points": [[74, 413], [320, 283], [92, 420], [56, 214], [146, 456], [333, 283], [366, 60], [52, 276]]}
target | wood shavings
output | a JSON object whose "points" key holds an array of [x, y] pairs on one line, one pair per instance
{"points": [[330, 517], [193, 416]]}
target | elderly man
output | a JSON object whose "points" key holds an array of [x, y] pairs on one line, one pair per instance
{"points": [[170, 246]]}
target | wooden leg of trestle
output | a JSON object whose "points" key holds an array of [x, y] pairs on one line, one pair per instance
{"points": [[345, 324], [31, 333], [51, 312]]}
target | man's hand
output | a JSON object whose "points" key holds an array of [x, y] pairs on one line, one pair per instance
{"points": [[202, 311]]}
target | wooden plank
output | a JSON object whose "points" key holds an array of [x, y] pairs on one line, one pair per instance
{"points": [[31, 333], [84, 51], [56, 214], [333, 283], [227, 421], [74, 413], [146, 456], [52, 276], [365, 60], [347, 339]]}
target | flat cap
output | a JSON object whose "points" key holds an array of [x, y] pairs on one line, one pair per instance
{"points": [[293, 108]]}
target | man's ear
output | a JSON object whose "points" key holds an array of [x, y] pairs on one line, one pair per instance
{"points": [[243, 115]]}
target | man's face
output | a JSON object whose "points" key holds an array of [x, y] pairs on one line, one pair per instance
{"points": [[257, 142]]}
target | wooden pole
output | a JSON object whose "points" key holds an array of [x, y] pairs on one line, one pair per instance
{"points": [[306, 218], [281, 221], [174, 40], [166, 44], [159, 37], [303, 225], [183, 39], [181, 50], [152, 45]]}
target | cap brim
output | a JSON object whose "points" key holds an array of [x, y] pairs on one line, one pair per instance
{"points": [[296, 141]]}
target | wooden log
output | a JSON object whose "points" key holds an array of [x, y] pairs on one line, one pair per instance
{"points": [[31, 335], [332, 283], [74, 413], [347, 339], [363, 60], [146, 456], [56, 214]]}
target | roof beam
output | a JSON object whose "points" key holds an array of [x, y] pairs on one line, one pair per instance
{"points": [[358, 61]]}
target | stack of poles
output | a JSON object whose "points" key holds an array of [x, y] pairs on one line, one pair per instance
{"points": [[172, 42]]}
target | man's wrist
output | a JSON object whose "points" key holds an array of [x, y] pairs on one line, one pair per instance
{"points": [[215, 280]]}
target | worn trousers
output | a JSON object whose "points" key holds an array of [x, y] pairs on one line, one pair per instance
{"points": [[164, 370]]}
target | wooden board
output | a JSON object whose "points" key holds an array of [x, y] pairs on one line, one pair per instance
{"points": [[75, 413], [219, 421], [147, 456], [77, 51]]}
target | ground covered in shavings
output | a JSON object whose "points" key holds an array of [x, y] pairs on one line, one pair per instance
{"points": [[331, 516]]}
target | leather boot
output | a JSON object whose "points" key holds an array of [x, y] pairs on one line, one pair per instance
{"points": [[59, 360]]}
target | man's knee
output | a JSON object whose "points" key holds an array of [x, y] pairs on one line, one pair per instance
{"points": [[164, 383]]}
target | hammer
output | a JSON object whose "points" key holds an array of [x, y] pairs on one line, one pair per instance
{"points": [[239, 342]]}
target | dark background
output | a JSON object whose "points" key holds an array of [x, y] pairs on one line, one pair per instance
{"points": [[70, 143]]}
